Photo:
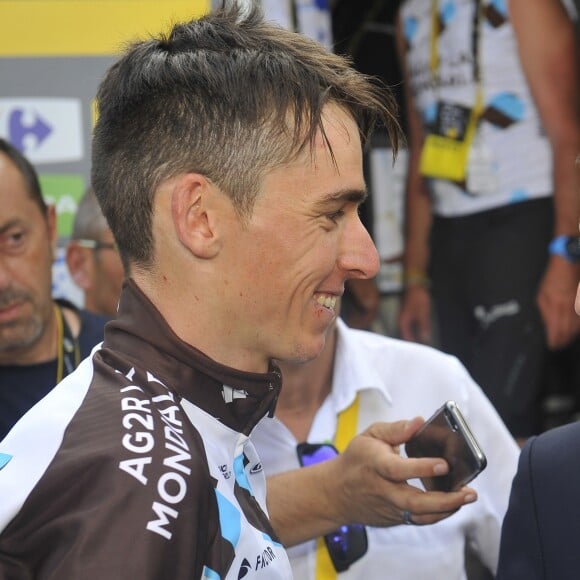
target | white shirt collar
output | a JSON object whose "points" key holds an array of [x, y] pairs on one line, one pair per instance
{"points": [[349, 378]]}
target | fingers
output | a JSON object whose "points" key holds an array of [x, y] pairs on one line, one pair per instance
{"points": [[425, 508], [390, 465], [399, 469], [560, 324], [429, 507], [395, 433], [555, 299]]}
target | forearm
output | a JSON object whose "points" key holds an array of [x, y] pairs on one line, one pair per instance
{"points": [[548, 51], [417, 228], [299, 505], [366, 484], [566, 186], [418, 216]]}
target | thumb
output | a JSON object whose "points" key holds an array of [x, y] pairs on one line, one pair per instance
{"points": [[395, 433]]}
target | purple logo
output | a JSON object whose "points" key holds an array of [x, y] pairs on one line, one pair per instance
{"points": [[18, 130]]}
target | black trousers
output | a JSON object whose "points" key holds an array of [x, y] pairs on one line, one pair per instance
{"points": [[486, 270]]}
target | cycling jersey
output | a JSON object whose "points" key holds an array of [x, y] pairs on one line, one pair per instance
{"points": [[138, 465]]}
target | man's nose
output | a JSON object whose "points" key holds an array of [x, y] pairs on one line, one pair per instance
{"points": [[359, 256]]}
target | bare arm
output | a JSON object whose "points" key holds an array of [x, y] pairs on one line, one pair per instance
{"points": [[366, 484], [548, 52], [414, 320]]}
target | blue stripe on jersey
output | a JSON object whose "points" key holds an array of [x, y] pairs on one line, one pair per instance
{"points": [[230, 519], [4, 459]]}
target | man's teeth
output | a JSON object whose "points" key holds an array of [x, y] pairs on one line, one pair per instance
{"points": [[328, 301]]}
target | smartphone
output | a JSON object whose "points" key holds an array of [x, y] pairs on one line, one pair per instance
{"points": [[446, 434]]}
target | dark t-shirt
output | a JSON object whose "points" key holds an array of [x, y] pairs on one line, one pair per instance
{"points": [[22, 386]]}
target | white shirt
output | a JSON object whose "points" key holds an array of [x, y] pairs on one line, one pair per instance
{"points": [[510, 128], [400, 380]]}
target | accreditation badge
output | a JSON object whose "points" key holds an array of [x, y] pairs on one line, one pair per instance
{"points": [[446, 149]]}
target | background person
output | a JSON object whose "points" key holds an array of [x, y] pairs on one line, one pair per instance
{"points": [[41, 340], [379, 378], [542, 524], [497, 83], [234, 206], [92, 258]]}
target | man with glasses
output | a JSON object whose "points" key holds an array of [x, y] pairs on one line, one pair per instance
{"points": [[92, 258], [41, 340]]}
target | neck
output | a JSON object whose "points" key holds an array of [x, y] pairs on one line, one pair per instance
{"points": [[304, 388], [198, 319]]}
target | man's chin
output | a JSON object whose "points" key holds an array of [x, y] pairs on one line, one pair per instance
{"points": [[16, 337], [308, 352]]}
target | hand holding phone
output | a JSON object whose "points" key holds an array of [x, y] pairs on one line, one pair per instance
{"points": [[447, 435]]}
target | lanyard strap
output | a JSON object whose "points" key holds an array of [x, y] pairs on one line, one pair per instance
{"points": [[68, 349], [346, 426], [345, 432], [434, 60]]}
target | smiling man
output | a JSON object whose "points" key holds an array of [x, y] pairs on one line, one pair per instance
{"points": [[227, 161]]}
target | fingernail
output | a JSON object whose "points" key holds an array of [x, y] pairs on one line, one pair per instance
{"points": [[470, 498], [440, 469]]}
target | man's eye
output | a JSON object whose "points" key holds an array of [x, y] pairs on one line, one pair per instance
{"points": [[335, 216], [14, 239]]}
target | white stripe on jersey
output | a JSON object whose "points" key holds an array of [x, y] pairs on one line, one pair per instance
{"points": [[33, 451]]}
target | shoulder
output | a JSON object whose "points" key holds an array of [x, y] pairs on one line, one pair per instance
{"points": [[417, 378], [548, 469], [553, 449], [399, 354], [92, 330], [91, 321]]}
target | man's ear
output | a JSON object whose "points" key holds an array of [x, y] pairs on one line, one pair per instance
{"points": [[78, 261], [52, 228], [192, 210]]}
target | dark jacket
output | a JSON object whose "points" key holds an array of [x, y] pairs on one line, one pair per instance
{"points": [[541, 530]]}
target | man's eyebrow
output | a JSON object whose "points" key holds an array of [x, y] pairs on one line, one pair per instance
{"points": [[357, 196], [10, 224]]}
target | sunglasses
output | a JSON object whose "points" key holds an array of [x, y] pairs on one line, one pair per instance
{"points": [[346, 544]]}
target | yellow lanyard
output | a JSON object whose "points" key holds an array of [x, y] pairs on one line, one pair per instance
{"points": [[434, 59], [345, 432], [59, 344], [433, 46]]}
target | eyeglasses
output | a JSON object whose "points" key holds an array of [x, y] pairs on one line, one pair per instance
{"points": [[96, 245], [346, 544]]}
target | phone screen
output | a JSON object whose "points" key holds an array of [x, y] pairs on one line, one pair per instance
{"points": [[447, 435]]}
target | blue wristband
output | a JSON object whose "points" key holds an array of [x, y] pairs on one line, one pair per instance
{"points": [[566, 246]]}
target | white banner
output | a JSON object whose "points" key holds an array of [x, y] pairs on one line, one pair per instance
{"points": [[46, 130]]}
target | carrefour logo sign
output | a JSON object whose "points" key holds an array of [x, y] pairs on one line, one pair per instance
{"points": [[45, 130]]}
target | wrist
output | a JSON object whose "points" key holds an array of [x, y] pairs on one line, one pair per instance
{"points": [[416, 278], [567, 247]]}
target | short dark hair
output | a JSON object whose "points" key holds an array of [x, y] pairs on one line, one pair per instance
{"points": [[228, 96], [27, 171]]}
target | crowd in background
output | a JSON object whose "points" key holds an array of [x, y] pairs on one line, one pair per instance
{"points": [[448, 268]]}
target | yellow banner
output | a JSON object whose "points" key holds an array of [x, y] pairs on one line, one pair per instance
{"points": [[86, 27]]}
